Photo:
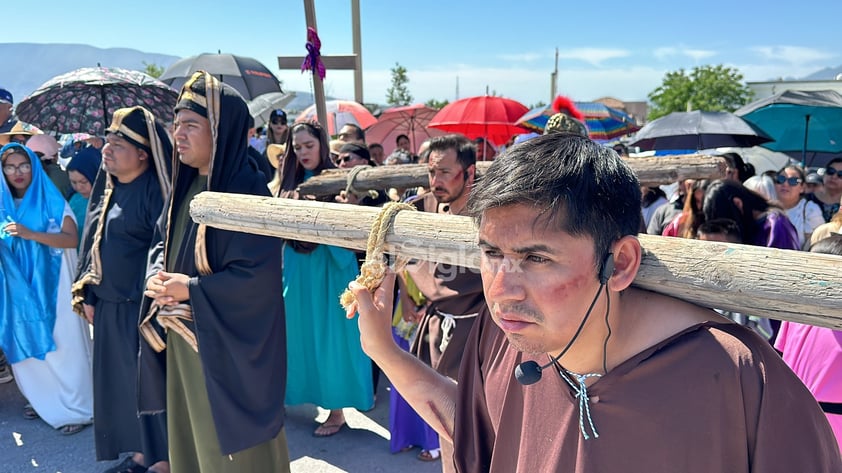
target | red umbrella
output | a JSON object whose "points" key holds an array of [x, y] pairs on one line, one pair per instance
{"points": [[492, 118], [339, 112], [410, 120]]}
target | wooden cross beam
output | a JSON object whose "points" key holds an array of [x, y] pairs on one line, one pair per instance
{"points": [[347, 62], [652, 171], [781, 284]]}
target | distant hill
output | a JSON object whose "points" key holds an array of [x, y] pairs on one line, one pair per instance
{"points": [[828, 73], [28, 65], [33, 64]]}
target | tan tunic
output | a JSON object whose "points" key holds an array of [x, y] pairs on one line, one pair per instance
{"points": [[714, 398], [455, 299]]}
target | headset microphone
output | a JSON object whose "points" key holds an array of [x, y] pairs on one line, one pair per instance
{"points": [[529, 372]]}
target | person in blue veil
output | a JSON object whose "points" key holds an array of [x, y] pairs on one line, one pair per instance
{"points": [[47, 345]]}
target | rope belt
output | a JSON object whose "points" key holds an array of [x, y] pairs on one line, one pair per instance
{"points": [[448, 323]]}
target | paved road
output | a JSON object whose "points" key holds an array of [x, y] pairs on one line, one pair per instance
{"points": [[32, 446]]}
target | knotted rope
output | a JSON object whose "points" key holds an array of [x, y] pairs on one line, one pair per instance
{"points": [[373, 270]]}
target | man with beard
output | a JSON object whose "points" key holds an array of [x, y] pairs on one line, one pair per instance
{"points": [[453, 293], [125, 203], [218, 295]]}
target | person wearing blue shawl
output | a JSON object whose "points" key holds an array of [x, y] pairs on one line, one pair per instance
{"points": [[48, 347], [127, 198], [82, 170]]}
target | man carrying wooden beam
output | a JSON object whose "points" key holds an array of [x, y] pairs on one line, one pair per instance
{"points": [[453, 293], [649, 383]]}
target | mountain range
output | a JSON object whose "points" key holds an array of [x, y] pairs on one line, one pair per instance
{"points": [[33, 64]]}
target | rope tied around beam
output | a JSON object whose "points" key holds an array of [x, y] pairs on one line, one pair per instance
{"points": [[373, 270], [351, 178]]}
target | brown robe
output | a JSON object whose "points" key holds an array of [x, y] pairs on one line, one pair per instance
{"points": [[451, 290], [713, 398]]}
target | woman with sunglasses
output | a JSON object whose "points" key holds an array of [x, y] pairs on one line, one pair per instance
{"points": [[829, 195], [804, 214], [47, 344]]}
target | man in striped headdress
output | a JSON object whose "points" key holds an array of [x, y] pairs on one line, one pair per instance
{"points": [[217, 293], [126, 201]]}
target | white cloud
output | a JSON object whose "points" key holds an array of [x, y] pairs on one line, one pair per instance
{"points": [[524, 84], [794, 55], [594, 56], [666, 53], [523, 57], [699, 54]]}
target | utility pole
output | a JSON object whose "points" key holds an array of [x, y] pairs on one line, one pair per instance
{"points": [[554, 78], [457, 87]]}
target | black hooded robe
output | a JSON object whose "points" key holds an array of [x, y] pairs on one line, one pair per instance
{"points": [[237, 310]]}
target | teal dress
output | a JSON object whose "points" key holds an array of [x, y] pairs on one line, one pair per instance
{"points": [[326, 365], [79, 206]]}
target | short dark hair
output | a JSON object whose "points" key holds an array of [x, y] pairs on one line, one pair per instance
{"points": [[721, 226], [359, 131], [466, 152], [582, 188], [401, 136], [831, 245], [374, 145]]}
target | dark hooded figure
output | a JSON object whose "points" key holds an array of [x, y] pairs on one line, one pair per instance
{"points": [[124, 207], [218, 295]]}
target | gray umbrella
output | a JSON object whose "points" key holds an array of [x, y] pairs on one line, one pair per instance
{"points": [[698, 130], [261, 107]]}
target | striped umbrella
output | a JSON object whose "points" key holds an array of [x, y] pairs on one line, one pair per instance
{"points": [[603, 122]]}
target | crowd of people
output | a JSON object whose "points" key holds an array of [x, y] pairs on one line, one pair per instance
{"points": [[182, 344]]}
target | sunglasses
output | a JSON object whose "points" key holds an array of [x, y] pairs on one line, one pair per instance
{"points": [[349, 157], [24, 168], [279, 121], [792, 181], [833, 172]]}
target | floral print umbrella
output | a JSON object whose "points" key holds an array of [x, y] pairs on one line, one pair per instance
{"points": [[85, 99]]}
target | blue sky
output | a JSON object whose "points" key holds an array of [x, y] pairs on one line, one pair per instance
{"points": [[606, 48]]}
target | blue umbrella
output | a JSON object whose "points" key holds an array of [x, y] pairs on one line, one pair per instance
{"points": [[801, 122]]}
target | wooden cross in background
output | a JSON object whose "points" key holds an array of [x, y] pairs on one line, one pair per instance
{"points": [[347, 62]]}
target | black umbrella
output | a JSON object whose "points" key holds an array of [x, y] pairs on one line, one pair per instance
{"points": [[698, 130], [249, 76]]}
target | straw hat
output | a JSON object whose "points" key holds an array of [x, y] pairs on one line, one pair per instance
{"points": [[275, 152], [19, 129]]}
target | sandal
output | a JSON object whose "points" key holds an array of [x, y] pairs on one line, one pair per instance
{"points": [[71, 429], [29, 413], [328, 430], [429, 455]]}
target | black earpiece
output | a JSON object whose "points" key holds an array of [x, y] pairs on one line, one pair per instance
{"points": [[607, 269], [464, 175]]}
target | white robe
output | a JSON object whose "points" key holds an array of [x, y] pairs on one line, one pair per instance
{"points": [[60, 387]]}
